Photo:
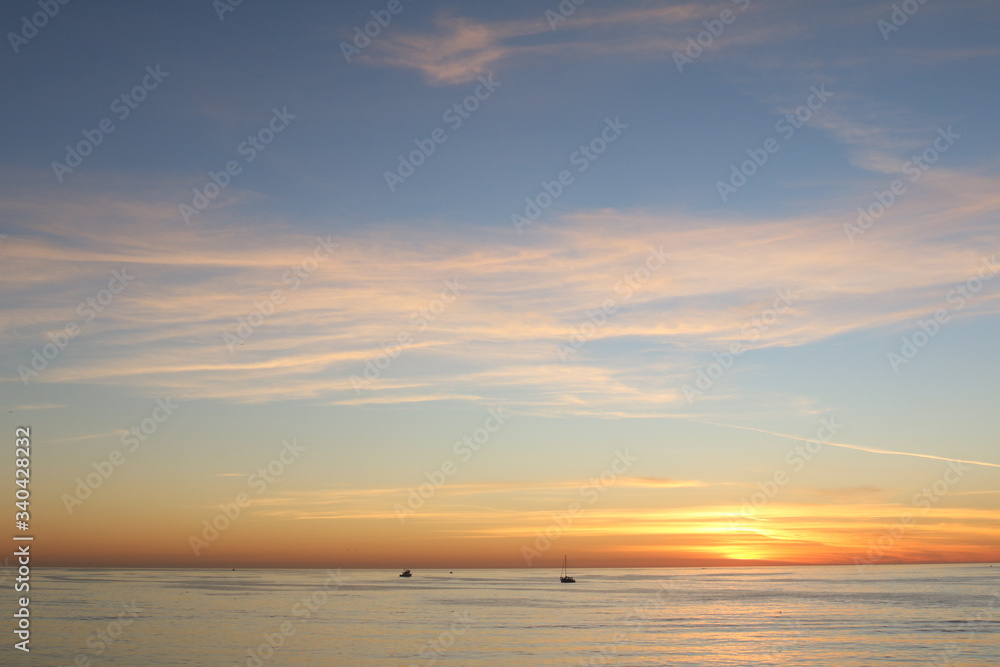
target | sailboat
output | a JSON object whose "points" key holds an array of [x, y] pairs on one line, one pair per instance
{"points": [[564, 577]]}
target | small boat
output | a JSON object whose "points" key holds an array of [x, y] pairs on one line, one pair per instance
{"points": [[564, 577], [406, 573]]}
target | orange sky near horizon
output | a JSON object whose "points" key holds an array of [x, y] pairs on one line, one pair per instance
{"points": [[460, 529]]}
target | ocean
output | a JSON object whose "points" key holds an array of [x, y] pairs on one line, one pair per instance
{"points": [[883, 615]]}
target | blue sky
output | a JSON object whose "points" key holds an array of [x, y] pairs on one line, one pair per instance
{"points": [[308, 240]]}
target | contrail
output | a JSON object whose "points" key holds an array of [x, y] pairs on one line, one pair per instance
{"points": [[80, 438], [871, 450]]}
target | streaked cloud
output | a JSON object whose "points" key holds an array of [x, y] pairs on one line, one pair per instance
{"points": [[462, 48], [520, 297], [117, 433], [42, 406], [859, 448]]}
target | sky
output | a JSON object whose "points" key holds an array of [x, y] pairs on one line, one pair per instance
{"points": [[441, 284]]}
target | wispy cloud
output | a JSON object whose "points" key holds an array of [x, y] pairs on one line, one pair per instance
{"points": [[462, 48], [496, 342], [117, 433]]}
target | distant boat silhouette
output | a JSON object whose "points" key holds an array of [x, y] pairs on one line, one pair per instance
{"points": [[564, 577], [406, 573]]}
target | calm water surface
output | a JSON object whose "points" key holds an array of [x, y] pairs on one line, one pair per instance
{"points": [[889, 615]]}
